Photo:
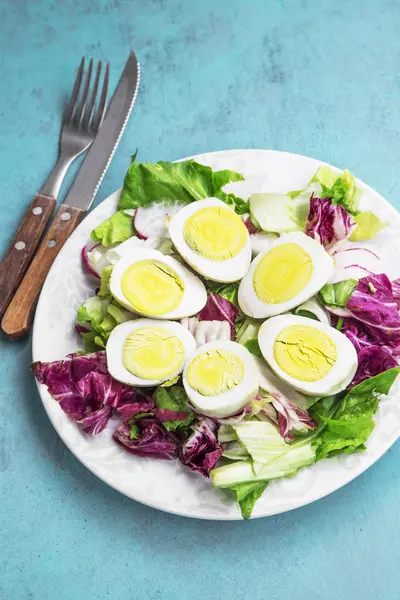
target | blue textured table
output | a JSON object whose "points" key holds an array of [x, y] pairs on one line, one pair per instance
{"points": [[316, 80]]}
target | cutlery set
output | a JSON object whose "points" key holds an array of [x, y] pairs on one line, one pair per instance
{"points": [[88, 125]]}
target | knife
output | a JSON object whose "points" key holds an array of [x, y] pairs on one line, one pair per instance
{"points": [[18, 317]]}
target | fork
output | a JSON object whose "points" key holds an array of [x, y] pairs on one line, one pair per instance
{"points": [[81, 122]]}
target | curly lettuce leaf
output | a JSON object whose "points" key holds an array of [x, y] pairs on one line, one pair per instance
{"points": [[182, 182], [341, 189], [118, 228]]}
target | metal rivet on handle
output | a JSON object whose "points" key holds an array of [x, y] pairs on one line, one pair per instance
{"points": [[51, 243], [19, 245], [37, 210], [65, 216]]}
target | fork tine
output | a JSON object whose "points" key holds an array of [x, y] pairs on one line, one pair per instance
{"points": [[90, 112], [69, 113], [81, 114], [103, 100]]}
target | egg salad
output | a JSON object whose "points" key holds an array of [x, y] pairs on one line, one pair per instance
{"points": [[245, 337]]}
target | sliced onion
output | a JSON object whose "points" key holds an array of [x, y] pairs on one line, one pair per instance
{"points": [[85, 258], [339, 312], [355, 263]]}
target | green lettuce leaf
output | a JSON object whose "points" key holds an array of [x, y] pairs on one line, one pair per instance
{"points": [[368, 225], [325, 184], [337, 294], [247, 495], [174, 398], [134, 432], [92, 311], [116, 229], [100, 316], [183, 182], [105, 282], [261, 439], [306, 313], [247, 334], [350, 423], [341, 188]]}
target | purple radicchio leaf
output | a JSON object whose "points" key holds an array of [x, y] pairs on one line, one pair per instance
{"points": [[129, 407], [372, 303], [165, 414], [328, 223], [372, 360], [362, 336], [290, 417], [154, 441], [219, 308], [82, 386], [396, 291], [96, 420], [250, 227], [201, 451]]}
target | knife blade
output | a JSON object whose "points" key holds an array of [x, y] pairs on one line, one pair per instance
{"points": [[88, 180], [17, 319]]}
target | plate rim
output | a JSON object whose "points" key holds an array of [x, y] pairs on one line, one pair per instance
{"points": [[43, 393]]}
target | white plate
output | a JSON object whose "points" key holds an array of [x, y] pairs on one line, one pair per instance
{"points": [[167, 485]]}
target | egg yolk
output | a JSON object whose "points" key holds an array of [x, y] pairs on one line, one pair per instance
{"points": [[304, 352], [215, 372], [215, 232], [152, 353], [152, 287], [282, 273]]}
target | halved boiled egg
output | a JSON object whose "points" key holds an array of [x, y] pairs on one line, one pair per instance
{"points": [[220, 378], [314, 358], [212, 239], [289, 273], [154, 285], [147, 352]]}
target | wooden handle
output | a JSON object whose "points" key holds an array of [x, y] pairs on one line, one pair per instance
{"points": [[23, 246], [18, 317]]}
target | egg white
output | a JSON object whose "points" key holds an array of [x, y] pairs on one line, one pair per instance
{"points": [[115, 344], [250, 303], [225, 271], [338, 377], [194, 292], [232, 401]]}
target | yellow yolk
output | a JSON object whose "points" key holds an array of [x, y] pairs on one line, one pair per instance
{"points": [[215, 232], [152, 287], [282, 273], [304, 352], [152, 353], [215, 372]]}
